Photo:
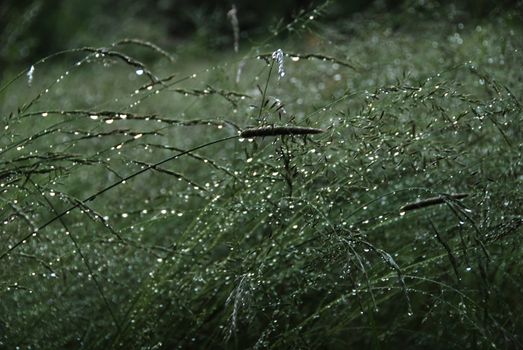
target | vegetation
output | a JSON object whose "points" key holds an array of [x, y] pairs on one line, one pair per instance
{"points": [[347, 184]]}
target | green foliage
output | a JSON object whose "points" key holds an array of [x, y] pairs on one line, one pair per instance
{"points": [[35, 28], [133, 215]]}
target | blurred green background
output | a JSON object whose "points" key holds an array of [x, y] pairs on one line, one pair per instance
{"points": [[32, 29]]}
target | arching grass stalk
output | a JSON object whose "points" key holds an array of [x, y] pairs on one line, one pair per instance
{"points": [[253, 132], [297, 56], [90, 50], [117, 183]]}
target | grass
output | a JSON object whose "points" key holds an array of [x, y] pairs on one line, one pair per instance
{"points": [[137, 213]]}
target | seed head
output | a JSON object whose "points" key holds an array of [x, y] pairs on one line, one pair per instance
{"points": [[279, 131], [278, 57]]}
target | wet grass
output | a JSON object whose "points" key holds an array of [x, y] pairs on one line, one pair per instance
{"points": [[378, 201]]}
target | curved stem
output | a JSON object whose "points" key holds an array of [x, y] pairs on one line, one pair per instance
{"points": [[117, 183]]}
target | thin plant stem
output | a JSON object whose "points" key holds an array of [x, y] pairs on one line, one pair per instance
{"points": [[264, 93], [117, 183]]}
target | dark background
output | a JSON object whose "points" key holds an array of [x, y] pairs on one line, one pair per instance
{"points": [[31, 29]]}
